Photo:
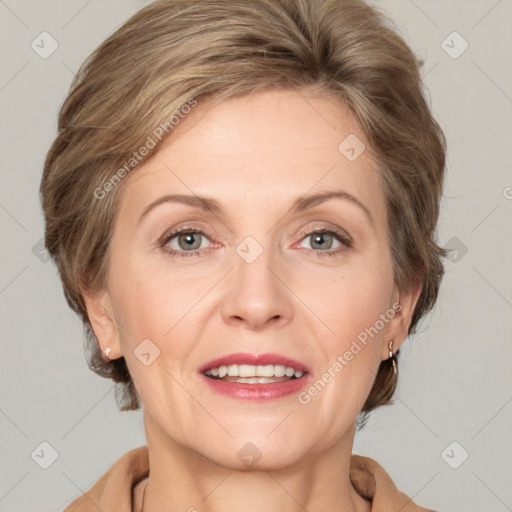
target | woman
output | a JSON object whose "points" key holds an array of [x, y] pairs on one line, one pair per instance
{"points": [[206, 153]]}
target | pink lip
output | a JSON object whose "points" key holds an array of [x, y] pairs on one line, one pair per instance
{"points": [[254, 359], [258, 392]]}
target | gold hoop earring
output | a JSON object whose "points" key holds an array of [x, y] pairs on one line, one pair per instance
{"points": [[392, 356]]}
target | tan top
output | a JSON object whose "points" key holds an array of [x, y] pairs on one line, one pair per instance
{"points": [[120, 488]]}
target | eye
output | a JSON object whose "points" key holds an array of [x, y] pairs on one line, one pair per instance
{"points": [[322, 240], [188, 242]]}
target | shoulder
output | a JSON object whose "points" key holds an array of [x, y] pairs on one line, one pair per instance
{"points": [[114, 490], [372, 482]]}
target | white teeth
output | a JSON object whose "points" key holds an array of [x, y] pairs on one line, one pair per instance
{"points": [[254, 380], [289, 371], [265, 371], [279, 370], [248, 370]]}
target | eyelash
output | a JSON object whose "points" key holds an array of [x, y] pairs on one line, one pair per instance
{"points": [[318, 253]]}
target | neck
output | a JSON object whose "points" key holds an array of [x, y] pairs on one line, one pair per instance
{"points": [[183, 479]]}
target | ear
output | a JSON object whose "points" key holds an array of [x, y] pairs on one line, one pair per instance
{"points": [[103, 323], [403, 304]]}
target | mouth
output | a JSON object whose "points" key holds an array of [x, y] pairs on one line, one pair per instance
{"points": [[255, 375]]}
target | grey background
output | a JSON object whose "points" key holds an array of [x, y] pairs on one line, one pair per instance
{"points": [[455, 380]]}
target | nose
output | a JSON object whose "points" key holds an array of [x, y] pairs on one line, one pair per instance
{"points": [[257, 294]]}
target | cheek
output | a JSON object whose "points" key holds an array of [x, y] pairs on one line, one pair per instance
{"points": [[358, 313], [351, 356], [356, 300], [151, 305], [152, 298], [146, 305]]}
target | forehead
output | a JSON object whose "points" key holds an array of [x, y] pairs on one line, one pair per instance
{"points": [[257, 150]]}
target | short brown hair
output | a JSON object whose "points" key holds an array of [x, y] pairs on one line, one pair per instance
{"points": [[175, 50]]}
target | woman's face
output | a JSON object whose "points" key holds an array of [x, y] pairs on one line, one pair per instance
{"points": [[253, 280]]}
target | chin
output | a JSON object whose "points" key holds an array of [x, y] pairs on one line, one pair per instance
{"points": [[251, 458]]}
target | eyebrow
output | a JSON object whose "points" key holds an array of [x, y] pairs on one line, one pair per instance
{"points": [[300, 204]]}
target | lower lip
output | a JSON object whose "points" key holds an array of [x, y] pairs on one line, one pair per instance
{"points": [[260, 392]]}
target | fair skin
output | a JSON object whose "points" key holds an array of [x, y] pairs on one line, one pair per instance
{"points": [[254, 155]]}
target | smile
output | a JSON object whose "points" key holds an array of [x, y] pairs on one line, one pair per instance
{"points": [[254, 374]]}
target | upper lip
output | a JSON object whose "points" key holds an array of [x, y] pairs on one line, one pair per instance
{"points": [[254, 359]]}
